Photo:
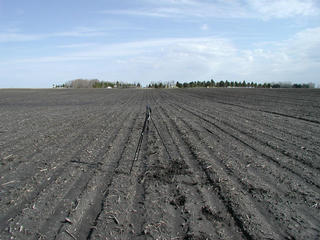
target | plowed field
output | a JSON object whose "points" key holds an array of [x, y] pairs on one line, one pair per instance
{"points": [[212, 164]]}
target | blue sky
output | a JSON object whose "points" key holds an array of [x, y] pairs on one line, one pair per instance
{"points": [[49, 42]]}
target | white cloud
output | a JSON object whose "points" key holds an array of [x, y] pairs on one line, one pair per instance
{"points": [[204, 27], [186, 59], [305, 45], [284, 8], [296, 59]]}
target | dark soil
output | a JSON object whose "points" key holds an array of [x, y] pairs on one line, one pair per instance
{"points": [[213, 164]]}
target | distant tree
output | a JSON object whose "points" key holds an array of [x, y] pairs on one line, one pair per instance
{"points": [[221, 83], [212, 83]]}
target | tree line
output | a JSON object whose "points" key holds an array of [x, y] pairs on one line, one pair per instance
{"points": [[231, 84], [95, 83], [162, 85]]}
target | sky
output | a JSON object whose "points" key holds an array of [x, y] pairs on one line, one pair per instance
{"points": [[51, 42]]}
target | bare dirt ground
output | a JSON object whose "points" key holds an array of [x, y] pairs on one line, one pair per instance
{"points": [[213, 164]]}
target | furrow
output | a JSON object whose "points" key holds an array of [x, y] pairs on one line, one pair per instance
{"points": [[56, 170], [237, 205], [91, 204], [312, 180]]}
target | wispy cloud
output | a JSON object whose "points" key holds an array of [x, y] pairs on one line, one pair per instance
{"points": [[264, 9], [80, 32], [17, 36], [141, 12], [77, 45], [171, 46]]}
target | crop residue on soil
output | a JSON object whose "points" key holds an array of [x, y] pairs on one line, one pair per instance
{"points": [[213, 164]]}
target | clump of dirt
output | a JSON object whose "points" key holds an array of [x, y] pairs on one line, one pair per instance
{"points": [[178, 167], [166, 174], [210, 215], [179, 201]]}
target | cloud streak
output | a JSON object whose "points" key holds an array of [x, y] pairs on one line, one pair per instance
{"points": [[16, 36], [261, 9]]}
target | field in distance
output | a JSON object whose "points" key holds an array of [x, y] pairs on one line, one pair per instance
{"points": [[213, 164]]}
